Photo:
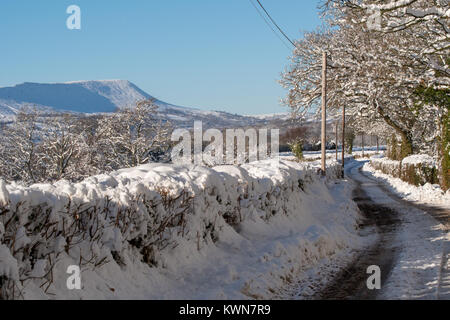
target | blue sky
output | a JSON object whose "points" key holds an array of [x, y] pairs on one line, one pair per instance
{"points": [[209, 54]]}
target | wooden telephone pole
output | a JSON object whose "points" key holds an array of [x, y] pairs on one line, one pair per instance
{"points": [[378, 145], [324, 112], [337, 139]]}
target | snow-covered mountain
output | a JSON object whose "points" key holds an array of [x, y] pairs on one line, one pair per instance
{"points": [[105, 96], [272, 116]]}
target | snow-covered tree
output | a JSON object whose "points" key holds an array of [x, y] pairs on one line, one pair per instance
{"points": [[91, 158], [132, 137], [418, 33], [374, 74], [430, 17], [61, 146], [21, 157], [39, 148]]}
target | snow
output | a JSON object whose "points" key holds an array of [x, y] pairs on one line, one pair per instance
{"points": [[8, 265], [295, 229], [21, 239], [282, 231], [39, 269], [417, 271], [426, 194], [272, 116], [4, 194], [331, 154], [121, 93], [419, 242], [420, 159]]}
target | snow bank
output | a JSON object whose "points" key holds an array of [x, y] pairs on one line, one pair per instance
{"points": [[387, 166], [427, 194], [417, 170], [165, 231], [422, 159]]}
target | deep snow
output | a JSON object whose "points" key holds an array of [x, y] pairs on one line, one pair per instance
{"points": [[427, 194], [296, 230], [284, 232]]}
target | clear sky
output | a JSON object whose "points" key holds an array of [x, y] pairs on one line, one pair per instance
{"points": [[209, 54]]}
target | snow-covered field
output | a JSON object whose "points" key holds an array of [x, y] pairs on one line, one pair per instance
{"points": [[331, 154], [221, 233]]}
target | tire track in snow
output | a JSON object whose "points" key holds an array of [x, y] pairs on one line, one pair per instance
{"points": [[438, 213], [350, 282]]}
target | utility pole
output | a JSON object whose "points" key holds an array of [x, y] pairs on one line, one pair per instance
{"points": [[324, 112], [378, 145], [337, 139], [343, 139]]}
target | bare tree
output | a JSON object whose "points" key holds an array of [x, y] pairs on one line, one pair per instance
{"points": [[91, 158], [21, 155], [132, 137], [61, 146]]}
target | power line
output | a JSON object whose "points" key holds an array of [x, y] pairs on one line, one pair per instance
{"points": [[276, 25], [269, 25]]}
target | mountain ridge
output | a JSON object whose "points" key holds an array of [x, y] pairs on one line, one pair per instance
{"points": [[105, 96]]}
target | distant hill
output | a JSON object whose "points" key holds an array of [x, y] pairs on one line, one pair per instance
{"points": [[106, 96]]}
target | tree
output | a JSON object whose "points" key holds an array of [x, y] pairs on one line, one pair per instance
{"points": [[61, 146], [375, 72], [39, 148], [297, 148], [349, 139], [21, 154], [132, 137], [90, 156]]}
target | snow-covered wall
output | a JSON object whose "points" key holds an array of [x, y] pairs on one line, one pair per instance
{"points": [[123, 227]]}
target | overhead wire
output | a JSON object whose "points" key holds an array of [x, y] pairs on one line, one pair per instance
{"points": [[269, 25], [276, 25]]}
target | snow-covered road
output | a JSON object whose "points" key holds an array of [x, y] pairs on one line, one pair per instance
{"points": [[412, 249]]}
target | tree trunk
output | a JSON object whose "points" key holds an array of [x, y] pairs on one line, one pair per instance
{"points": [[324, 112], [343, 140], [445, 152], [405, 135], [362, 144]]}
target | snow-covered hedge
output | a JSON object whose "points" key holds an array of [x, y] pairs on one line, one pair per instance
{"points": [[416, 169], [420, 170], [143, 212], [391, 167]]}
